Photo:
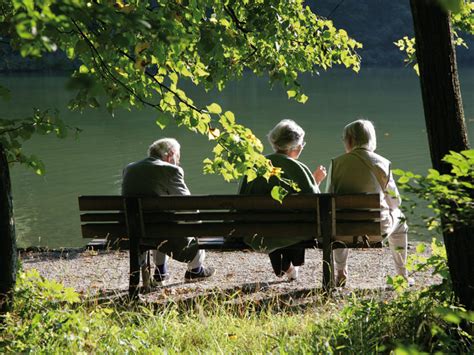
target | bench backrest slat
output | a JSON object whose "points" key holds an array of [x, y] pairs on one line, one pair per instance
{"points": [[228, 202], [356, 201], [222, 215], [215, 202], [100, 203]]}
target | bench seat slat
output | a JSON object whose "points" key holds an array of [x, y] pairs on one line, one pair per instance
{"points": [[266, 229], [357, 215], [169, 230], [104, 230], [244, 216], [357, 228], [103, 217], [219, 243], [241, 216], [174, 230], [355, 201]]}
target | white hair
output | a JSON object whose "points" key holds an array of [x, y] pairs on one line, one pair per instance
{"points": [[286, 136], [163, 148], [361, 133]]}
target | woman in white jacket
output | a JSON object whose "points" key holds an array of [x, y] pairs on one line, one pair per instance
{"points": [[360, 169]]}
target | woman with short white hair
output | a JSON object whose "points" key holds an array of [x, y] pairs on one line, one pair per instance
{"points": [[360, 169], [287, 141]]}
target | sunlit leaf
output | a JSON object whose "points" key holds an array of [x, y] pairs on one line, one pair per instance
{"points": [[214, 108]]}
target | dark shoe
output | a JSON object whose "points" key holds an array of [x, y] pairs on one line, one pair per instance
{"points": [[159, 278], [203, 274], [292, 273], [341, 281]]}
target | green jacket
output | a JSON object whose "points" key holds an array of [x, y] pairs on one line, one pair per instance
{"points": [[292, 169]]}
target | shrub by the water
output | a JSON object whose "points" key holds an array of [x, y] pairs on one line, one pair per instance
{"points": [[49, 317]]}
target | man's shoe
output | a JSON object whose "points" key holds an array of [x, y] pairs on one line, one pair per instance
{"points": [[410, 281], [292, 273], [203, 274], [159, 278], [341, 281]]}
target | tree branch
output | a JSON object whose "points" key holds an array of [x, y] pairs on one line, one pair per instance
{"points": [[230, 11], [17, 128], [102, 65], [163, 86]]}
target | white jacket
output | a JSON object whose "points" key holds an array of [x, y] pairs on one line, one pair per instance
{"points": [[364, 171]]}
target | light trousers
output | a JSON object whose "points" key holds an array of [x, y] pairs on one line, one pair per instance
{"points": [[181, 249], [397, 233]]}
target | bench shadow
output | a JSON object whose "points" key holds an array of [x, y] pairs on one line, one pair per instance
{"points": [[252, 296], [35, 254]]}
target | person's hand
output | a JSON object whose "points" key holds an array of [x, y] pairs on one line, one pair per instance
{"points": [[320, 174]]}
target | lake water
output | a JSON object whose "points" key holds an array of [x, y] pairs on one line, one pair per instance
{"points": [[46, 210]]}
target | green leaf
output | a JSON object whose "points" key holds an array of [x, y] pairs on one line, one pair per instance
{"points": [[291, 93], [403, 179], [230, 117], [214, 108], [420, 248], [83, 69], [251, 175], [452, 318], [162, 121], [278, 193], [302, 98]]}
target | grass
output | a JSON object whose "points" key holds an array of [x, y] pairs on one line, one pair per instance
{"points": [[50, 318]]}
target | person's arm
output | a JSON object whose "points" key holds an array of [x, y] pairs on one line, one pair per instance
{"points": [[329, 187], [319, 174], [176, 185], [392, 196], [305, 180]]}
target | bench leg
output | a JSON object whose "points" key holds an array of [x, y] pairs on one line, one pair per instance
{"points": [[135, 231], [134, 272], [328, 266], [327, 207]]}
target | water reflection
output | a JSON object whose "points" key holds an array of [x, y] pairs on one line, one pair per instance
{"points": [[46, 207]]}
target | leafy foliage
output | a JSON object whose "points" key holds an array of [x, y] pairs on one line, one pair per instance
{"points": [[450, 196], [462, 19], [137, 53], [13, 132], [48, 317]]}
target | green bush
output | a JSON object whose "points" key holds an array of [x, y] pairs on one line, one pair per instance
{"points": [[449, 196], [50, 318]]}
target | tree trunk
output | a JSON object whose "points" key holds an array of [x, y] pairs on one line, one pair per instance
{"points": [[8, 261], [445, 124]]}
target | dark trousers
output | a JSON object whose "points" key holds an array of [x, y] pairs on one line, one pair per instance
{"points": [[282, 258]]}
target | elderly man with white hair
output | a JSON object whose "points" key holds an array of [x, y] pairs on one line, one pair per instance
{"points": [[360, 169], [287, 141], [160, 174]]}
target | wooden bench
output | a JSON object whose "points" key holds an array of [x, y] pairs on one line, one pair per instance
{"points": [[219, 222]]}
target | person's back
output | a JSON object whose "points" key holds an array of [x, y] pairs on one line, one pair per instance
{"points": [[358, 171], [287, 140], [152, 176], [351, 174], [157, 175], [361, 170], [292, 169]]}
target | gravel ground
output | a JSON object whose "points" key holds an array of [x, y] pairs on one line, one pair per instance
{"points": [[93, 272]]}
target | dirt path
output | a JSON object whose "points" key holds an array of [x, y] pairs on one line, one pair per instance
{"points": [[93, 272]]}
